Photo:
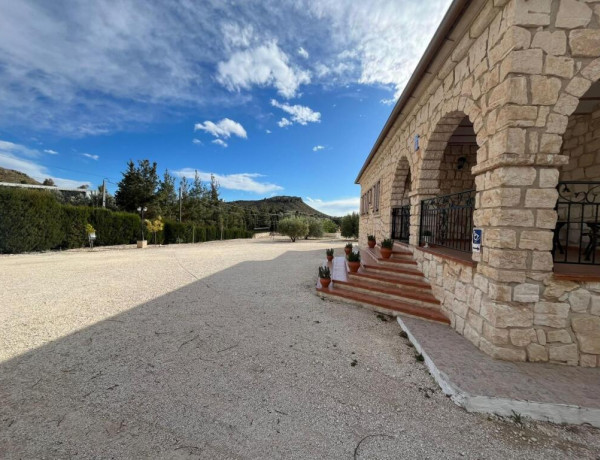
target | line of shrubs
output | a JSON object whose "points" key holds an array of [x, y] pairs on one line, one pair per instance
{"points": [[33, 220]]}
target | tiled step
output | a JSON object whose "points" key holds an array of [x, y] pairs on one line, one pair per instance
{"points": [[390, 280], [399, 260], [414, 296], [387, 306]]}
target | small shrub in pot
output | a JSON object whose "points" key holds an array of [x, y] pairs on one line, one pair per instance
{"points": [[387, 246]]}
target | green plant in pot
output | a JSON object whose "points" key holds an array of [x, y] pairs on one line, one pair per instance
{"points": [[387, 246], [426, 237], [324, 276], [348, 248], [371, 241], [329, 253], [353, 261]]}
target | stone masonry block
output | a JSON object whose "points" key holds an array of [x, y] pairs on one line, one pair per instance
{"points": [[564, 353], [508, 354], [541, 198], [580, 300], [559, 66], [544, 90], [526, 292], [501, 315], [530, 13], [537, 353], [502, 238], [551, 314], [536, 239], [507, 258], [548, 178], [522, 337], [551, 42], [523, 62], [572, 14], [559, 335], [584, 42]]}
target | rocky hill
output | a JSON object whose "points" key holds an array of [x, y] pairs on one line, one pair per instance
{"points": [[280, 205], [16, 177]]}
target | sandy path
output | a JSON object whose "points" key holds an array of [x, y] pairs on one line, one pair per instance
{"points": [[222, 350]]}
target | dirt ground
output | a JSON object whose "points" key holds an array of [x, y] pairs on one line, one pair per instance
{"points": [[223, 350]]}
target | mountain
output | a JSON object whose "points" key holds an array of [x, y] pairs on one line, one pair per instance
{"points": [[280, 205], [16, 177]]}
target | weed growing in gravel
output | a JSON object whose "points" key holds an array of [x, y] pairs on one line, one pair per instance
{"points": [[382, 317], [354, 363], [403, 334], [516, 418], [419, 357]]}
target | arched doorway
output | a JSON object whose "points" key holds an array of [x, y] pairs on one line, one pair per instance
{"points": [[577, 233], [400, 202], [446, 219]]}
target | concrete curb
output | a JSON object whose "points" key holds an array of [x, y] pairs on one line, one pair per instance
{"points": [[547, 412]]}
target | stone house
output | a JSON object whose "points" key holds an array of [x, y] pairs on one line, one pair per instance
{"points": [[498, 129]]}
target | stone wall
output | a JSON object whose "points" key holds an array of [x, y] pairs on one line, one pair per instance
{"points": [[517, 73]]}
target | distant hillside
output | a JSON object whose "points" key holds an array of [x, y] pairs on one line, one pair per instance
{"points": [[16, 177], [280, 204]]}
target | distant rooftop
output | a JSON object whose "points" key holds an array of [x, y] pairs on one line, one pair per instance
{"points": [[83, 191]]}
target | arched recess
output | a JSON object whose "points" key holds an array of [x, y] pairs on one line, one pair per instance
{"points": [[577, 232], [446, 184], [400, 201]]}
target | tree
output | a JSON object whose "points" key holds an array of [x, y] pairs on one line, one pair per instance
{"points": [[138, 187], [350, 225], [315, 227], [48, 182], [166, 197], [154, 226], [294, 227], [329, 226]]}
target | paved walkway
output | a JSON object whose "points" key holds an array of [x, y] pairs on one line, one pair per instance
{"points": [[561, 394], [223, 350]]}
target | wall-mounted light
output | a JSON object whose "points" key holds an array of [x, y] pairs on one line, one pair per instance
{"points": [[417, 137], [461, 163]]}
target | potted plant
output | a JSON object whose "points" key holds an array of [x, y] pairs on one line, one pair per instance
{"points": [[348, 248], [426, 237], [329, 253], [386, 248], [324, 276], [371, 241], [353, 261]]}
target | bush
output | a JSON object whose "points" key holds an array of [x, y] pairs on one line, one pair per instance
{"points": [[329, 226], [315, 227], [115, 227], [294, 227], [350, 225], [30, 220]]}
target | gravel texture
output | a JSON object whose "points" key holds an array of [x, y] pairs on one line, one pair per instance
{"points": [[223, 350]]}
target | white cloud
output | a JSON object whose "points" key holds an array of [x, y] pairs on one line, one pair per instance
{"points": [[264, 65], [302, 52], [9, 159], [339, 207], [316, 148], [197, 141], [299, 113], [243, 181], [50, 151], [89, 155], [284, 122], [268, 131], [224, 128], [220, 142]]}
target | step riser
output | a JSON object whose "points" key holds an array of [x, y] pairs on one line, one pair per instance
{"points": [[378, 271], [380, 309], [400, 264], [386, 295], [390, 283]]}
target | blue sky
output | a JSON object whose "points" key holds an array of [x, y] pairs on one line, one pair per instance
{"points": [[273, 97]]}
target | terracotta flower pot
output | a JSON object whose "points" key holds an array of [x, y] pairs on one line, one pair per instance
{"points": [[385, 253], [347, 250], [329, 258], [353, 266], [371, 243], [325, 282]]}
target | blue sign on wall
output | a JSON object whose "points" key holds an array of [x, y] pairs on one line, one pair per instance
{"points": [[477, 239], [416, 142]]}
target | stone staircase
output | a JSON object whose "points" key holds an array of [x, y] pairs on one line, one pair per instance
{"points": [[393, 286]]}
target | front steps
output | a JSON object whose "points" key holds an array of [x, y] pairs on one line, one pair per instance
{"points": [[394, 286]]}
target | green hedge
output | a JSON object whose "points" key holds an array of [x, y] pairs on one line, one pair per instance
{"points": [[33, 220]]}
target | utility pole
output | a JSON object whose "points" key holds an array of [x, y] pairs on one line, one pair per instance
{"points": [[180, 203], [104, 193]]}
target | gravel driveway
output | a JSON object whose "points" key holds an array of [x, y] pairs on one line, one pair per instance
{"points": [[223, 350]]}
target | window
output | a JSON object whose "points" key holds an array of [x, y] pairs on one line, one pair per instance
{"points": [[376, 188]]}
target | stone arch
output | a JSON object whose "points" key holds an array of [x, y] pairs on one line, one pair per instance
{"points": [[401, 185], [578, 200]]}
